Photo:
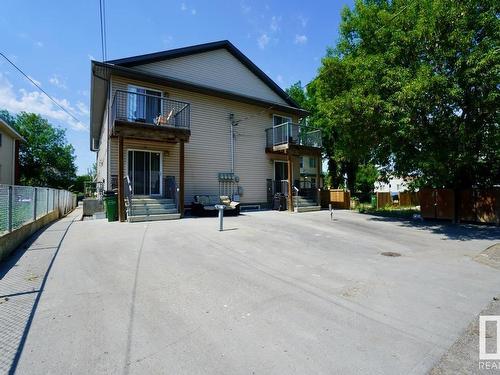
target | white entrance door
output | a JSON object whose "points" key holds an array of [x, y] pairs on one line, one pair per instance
{"points": [[144, 171]]}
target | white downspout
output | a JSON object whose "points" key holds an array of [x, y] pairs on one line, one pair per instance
{"points": [[231, 118]]}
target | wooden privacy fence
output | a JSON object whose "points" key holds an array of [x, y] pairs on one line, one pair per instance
{"points": [[408, 199], [474, 205], [384, 199], [338, 198]]}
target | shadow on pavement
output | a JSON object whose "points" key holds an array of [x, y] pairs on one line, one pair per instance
{"points": [[22, 280], [460, 232]]}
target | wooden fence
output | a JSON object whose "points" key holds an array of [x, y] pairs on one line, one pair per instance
{"points": [[474, 205], [384, 199], [338, 198]]}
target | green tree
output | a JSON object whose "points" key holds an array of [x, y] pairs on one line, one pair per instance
{"points": [[46, 159], [413, 86], [366, 176]]}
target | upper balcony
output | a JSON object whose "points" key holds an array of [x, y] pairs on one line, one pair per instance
{"points": [[289, 135], [147, 116]]}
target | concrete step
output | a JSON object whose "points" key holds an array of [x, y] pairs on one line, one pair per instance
{"points": [[152, 200], [138, 218], [305, 202], [307, 209], [153, 211], [153, 205]]}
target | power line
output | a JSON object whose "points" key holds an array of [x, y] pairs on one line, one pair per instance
{"points": [[39, 88], [102, 17]]}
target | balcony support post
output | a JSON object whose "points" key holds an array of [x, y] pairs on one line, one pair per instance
{"points": [[121, 198], [318, 175], [181, 179], [290, 179]]}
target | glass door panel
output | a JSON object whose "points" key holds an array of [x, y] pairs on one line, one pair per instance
{"points": [[155, 173], [144, 171]]}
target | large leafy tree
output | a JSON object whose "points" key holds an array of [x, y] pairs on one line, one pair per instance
{"points": [[46, 158], [413, 86]]}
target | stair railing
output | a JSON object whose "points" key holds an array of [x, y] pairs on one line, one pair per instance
{"points": [[128, 195], [296, 196]]}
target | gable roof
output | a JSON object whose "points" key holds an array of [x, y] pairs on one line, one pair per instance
{"points": [[10, 130], [133, 61]]}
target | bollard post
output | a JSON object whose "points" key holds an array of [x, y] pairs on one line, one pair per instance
{"points": [[221, 207], [331, 211]]}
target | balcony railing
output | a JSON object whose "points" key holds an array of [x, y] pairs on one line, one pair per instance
{"points": [[295, 134], [136, 107]]}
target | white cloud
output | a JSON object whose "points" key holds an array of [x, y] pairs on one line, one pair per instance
{"points": [[57, 81], [263, 40], [300, 39], [245, 8], [275, 23], [36, 102], [167, 41], [185, 8], [83, 92], [39, 44], [303, 20], [36, 81], [91, 57], [279, 79], [83, 109]]}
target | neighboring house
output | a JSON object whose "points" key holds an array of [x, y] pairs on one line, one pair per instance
{"points": [[196, 120], [9, 154], [394, 185], [309, 172]]}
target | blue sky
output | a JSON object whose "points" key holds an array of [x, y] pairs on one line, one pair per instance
{"points": [[53, 42]]}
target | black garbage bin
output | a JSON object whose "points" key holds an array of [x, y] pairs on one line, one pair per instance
{"points": [[279, 202]]}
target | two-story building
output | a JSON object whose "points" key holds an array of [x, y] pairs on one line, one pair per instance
{"points": [[203, 119], [9, 154]]}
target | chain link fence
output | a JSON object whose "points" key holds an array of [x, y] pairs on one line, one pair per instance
{"points": [[20, 205]]}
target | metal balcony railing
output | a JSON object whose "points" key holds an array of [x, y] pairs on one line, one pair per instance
{"points": [[296, 134], [136, 107]]}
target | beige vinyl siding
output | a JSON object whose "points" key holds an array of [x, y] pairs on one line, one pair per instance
{"points": [[7, 159], [170, 155], [208, 151], [102, 153], [218, 69]]}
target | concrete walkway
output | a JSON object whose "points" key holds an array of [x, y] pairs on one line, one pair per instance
{"points": [[275, 293], [23, 277]]}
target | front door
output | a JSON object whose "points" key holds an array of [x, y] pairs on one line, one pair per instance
{"points": [[144, 171]]}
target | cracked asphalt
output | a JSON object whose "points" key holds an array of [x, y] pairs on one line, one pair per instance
{"points": [[273, 293]]}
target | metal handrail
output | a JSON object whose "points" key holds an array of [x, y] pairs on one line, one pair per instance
{"points": [[154, 110], [296, 196], [128, 194], [290, 133]]}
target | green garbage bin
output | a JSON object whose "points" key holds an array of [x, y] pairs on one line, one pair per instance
{"points": [[374, 201], [111, 207]]}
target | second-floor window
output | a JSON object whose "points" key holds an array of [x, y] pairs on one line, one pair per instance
{"points": [[144, 105], [312, 163]]}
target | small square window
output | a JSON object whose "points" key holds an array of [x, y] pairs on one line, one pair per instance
{"points": [[312, 163]]}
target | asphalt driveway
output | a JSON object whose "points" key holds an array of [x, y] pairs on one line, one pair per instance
{"points": [[275, 293]]}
